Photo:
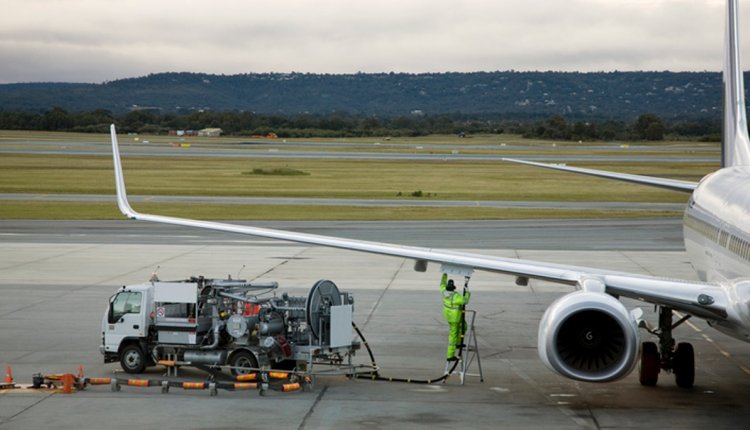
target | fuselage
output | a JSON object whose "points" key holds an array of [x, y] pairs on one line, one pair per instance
{"points": [[717, 240], [717, 225]]}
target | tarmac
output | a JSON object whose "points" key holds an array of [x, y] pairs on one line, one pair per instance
{"points": [[56, 279]]}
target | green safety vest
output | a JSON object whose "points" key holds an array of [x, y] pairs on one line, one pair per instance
{"points": [[452, 302]]}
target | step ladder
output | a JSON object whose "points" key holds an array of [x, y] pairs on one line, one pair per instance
{"points": [[470, 352]]}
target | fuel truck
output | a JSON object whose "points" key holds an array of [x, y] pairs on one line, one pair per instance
{"points": [[226, 322]]}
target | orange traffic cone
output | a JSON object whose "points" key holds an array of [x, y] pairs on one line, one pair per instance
{"points": [[8, 376], [68, 381]]}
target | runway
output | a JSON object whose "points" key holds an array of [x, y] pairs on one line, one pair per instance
{"points": [[56, 278], [333, 152], [653, 234], [305, 201], [235, 143]]}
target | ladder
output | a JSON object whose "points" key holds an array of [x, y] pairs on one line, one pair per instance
{"points": [[470, 352]]}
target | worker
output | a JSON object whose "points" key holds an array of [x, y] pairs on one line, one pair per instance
{"points": [[453, 313]]}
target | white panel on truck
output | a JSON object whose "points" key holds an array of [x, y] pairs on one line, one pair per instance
{"points": [[341, 325], [175, 292]]}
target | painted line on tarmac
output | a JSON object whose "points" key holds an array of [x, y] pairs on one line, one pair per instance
{"points": [[718, 347]]}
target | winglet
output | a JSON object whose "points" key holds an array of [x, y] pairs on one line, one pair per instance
{"points": [[122, 195]]}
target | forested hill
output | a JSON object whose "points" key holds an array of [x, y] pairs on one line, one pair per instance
{"points": [[618, 95]]}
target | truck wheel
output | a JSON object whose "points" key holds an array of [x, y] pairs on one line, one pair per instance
{"points": [[242, 359], [132, 359]]}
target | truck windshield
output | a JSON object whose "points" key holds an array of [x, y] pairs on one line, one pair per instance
{"points": [[127, 302]]}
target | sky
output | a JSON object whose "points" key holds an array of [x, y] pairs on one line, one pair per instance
{"points": [[97, 41]]}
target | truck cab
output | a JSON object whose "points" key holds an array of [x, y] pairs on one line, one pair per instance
{"points": [[125, 327]]}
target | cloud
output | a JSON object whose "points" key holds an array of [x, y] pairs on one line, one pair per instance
{"points": [[93, 41]]}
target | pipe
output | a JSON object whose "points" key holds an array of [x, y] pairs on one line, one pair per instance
{"points": [[217, 324], [254, 300]]}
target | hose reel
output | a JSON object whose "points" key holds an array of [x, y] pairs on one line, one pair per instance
{"points": [[322, 296]]}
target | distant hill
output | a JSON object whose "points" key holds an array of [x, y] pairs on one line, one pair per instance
{"points": [[618, 95]]}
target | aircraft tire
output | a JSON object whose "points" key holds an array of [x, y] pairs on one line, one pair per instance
{"points": [[649, 366], [684, 365]]}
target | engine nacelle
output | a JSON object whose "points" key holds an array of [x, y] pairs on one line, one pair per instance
{"points": [[589, 336]]}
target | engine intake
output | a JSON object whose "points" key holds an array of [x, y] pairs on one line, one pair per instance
{"points": [[589, 336]]}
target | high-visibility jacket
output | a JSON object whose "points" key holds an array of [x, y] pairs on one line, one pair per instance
{"points": [[452, 302]]}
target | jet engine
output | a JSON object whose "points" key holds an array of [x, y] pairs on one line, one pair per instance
{"points": [[589, 336]]}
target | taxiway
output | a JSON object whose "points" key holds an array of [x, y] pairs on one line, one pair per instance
{"points": [[56, 278]]}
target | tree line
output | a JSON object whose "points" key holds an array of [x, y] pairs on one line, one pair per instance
{"points": [[621, 95], [645, 127]]}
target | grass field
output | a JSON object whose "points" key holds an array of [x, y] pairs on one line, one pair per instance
{"points": [[444, 180]]}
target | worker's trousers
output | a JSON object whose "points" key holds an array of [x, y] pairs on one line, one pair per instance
{"points": [[454, 338]]}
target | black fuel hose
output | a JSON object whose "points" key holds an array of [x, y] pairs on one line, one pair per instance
{"points": [[375, 375]]}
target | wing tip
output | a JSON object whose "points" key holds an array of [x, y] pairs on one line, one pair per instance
{"points": [[122, 195]]}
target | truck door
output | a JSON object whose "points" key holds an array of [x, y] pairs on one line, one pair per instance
{"points": [[125, 319]]}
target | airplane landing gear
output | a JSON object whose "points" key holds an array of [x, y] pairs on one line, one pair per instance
{"points": [[679, 360]]}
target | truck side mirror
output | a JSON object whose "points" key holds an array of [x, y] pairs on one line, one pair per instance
{"points": [[111, 313]]}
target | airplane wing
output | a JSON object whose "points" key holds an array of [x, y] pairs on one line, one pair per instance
{"points": [[700, 299], [670, 184]]}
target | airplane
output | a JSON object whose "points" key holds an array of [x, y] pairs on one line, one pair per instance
{"points": [[588, 334]]}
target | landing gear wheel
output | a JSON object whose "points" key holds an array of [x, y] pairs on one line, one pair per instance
{"points": [[649, 368], [683, 365], [132, 359], [243, 359]]}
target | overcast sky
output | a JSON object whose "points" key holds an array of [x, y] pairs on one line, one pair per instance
{"points": [[96, 40]]}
